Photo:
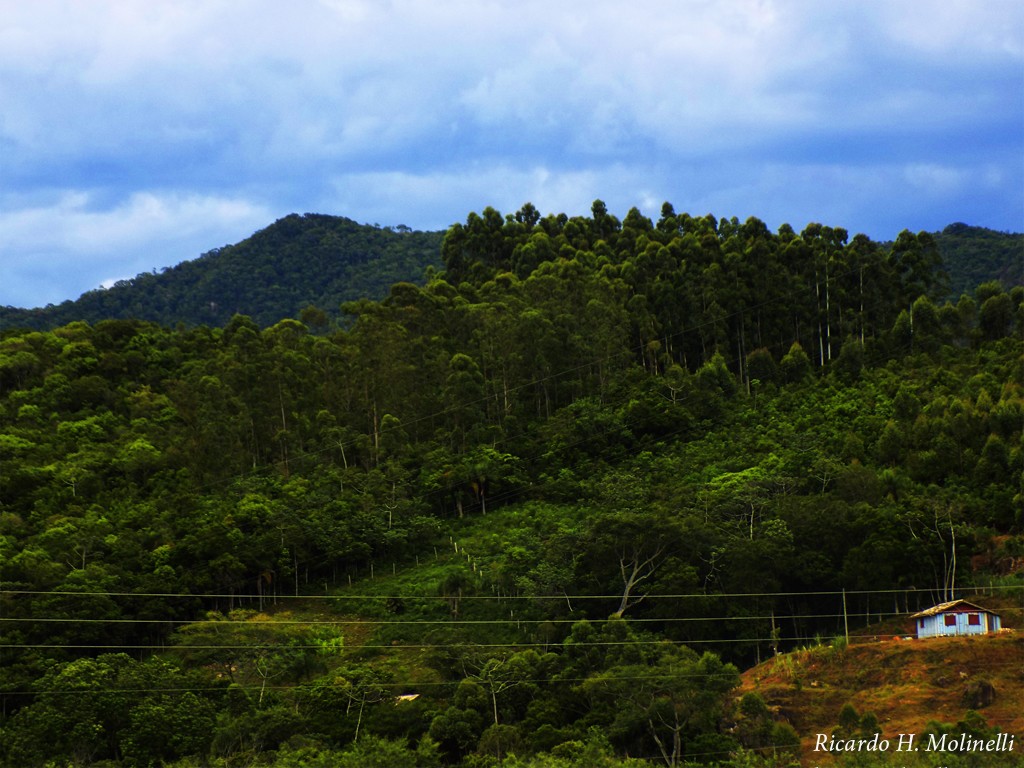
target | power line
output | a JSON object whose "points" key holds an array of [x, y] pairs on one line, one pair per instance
{"points": [[416, 622], [417, 646], [655, 596], [815, 641]]}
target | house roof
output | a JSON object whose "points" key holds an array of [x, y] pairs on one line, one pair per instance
{"points": [[951, 605]]}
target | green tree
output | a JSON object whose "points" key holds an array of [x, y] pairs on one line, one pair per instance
{"points": [[995, 318], [795, 366], [457, 728], [673, 700]]}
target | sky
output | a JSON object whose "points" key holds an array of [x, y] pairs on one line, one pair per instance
{"points": [[135, 135]]}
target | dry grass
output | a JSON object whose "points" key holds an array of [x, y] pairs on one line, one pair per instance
{"points": [[905, 683]]}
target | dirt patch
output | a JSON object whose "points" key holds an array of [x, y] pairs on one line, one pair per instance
{"points": [[905, 683]]}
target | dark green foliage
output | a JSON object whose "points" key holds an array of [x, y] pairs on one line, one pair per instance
{"points": [[480, 490], [795, 366], [973, 255], [112, 707]]}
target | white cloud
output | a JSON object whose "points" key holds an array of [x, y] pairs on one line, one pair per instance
{"points": [[934, 179], [448, 197], [969, 27], [70, 241], [199, 117], [89, 229], [335, 79], [110, 282]]}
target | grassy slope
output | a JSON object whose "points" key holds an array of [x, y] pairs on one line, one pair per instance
{"points": [[905, 683]]}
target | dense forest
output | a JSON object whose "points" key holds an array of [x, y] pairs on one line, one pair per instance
{"points": [[311, 262], [306, 267], [538, 511]]}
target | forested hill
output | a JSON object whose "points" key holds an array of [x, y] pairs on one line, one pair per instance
{"points": [[297, 262], [322, 261], [973, 255], [548, 502]]}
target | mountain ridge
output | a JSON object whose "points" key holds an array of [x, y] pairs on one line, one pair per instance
{"points": [[321, 260], [298, 261]]}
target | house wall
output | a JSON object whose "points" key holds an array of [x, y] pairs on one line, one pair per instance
{"points": [[935, 626]]}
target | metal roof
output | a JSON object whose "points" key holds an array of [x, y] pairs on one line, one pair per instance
{"points": [[944, 607]]}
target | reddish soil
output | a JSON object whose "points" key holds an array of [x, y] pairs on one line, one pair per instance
{"points": [[905, 683]]}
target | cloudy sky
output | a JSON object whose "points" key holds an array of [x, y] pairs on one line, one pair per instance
{"points": [[134, 135]]}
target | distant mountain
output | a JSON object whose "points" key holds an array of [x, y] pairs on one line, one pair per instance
{"points": [[974, 255], [322, 261], [296, 262]]}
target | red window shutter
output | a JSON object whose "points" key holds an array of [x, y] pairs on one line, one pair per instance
{"points": [[950, 619], [974, 619]]}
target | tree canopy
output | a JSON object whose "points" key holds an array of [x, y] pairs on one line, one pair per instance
{"points": [[538, 509]]}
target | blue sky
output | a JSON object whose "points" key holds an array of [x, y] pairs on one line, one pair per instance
{"points": [[134, 135]]}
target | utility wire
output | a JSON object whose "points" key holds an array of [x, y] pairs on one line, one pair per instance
{"points": [[419, 646], [417, 622], [654, 596]]}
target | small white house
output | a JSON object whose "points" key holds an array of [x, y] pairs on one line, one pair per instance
{"points": [[957, 617]]}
